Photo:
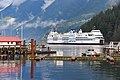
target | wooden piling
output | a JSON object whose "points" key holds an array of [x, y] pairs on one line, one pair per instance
{"points": [[32, 48], [118, 48], [32, 62]]}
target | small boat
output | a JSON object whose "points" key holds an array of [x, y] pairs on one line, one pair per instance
{"points": [[109, 58], [73, 58], [91, 52]]}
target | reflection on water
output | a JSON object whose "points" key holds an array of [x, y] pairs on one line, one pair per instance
{"points": [[59, 70], [75, 50], [32, 70], [59, 63], [51, 70], [9, 70]]}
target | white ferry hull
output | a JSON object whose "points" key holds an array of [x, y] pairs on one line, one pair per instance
{"points": [[100, 42], [77, 43]]}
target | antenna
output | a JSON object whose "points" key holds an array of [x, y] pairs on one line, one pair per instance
{"points": [[17, 32], [3, 31], [22, 32], [94, 27]]}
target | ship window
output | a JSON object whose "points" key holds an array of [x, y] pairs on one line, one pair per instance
{"points": [[96, 31], [90, 49], [55, 38], [98, 35], [90, 34], [83, 38], [65, 38]]}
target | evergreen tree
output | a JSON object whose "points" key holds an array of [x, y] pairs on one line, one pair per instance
{"points": [[108, 22]]}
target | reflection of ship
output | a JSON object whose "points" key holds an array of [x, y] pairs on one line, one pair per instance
{"points": [[93, 37], [9, 69]]}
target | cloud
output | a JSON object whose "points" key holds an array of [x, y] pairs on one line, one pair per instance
{"points": [[37, 23], [46, 4], [18, 2], [4, 26], [31, 22], [6, 22], [10, 20], [4, 4]]}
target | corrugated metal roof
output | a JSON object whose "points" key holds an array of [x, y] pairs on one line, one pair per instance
{"points": [[10, 39]]}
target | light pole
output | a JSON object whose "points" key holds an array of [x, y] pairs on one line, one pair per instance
{"points": [[22, 32], [17, 32]]}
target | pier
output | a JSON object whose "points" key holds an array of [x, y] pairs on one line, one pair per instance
{"points": [[17, 52], [34, 52]]}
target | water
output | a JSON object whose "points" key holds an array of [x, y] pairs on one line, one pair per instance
{"points": [[61, 70]]}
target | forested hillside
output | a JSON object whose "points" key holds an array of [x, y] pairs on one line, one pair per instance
{"points": [[108, 22]]}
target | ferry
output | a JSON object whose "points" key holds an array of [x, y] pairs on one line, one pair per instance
{"points": [[95, 37]]}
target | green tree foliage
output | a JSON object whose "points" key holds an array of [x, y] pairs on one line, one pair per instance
{"points": [[108, 22]]}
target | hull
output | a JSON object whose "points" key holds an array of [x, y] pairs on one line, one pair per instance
{"points": [[77, 43], [94, 42]]}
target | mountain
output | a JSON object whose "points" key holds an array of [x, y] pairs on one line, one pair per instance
{"points": [[108, 22], [37, 17]]}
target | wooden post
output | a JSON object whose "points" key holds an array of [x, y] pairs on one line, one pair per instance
{"points": [[118, 48], [32, 47], [32, 70], [32, 62]]}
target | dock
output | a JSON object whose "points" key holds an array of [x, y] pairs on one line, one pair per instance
{"points": [[75, 59], [12, 52]]}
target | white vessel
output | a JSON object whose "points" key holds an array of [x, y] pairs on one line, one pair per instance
{"points": [[93, 37]]}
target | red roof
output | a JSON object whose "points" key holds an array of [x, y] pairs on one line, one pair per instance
{"points": [[10, 39]]}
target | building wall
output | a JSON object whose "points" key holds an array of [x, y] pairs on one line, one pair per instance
{"points": [[7, 43]]}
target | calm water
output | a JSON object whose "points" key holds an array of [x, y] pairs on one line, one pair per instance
{"points": [[61, 70]]}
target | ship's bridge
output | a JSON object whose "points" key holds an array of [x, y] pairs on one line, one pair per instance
{"points": [[53, 33], [96, 32]]}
